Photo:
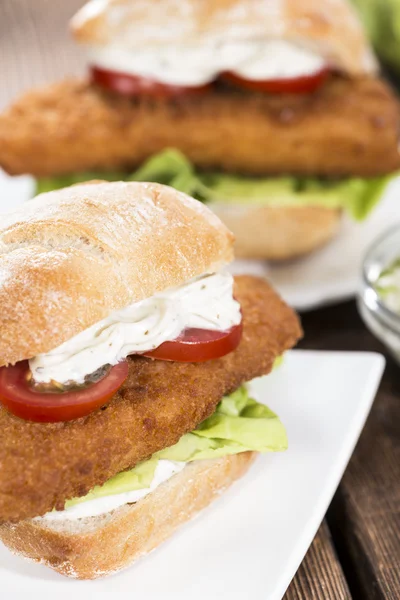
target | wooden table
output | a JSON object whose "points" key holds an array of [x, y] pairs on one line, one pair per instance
{"points": [[364, 517], [356, 552]]}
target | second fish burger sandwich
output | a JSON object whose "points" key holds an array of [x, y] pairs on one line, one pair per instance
{"points": [[125, 350], [273, 112]]}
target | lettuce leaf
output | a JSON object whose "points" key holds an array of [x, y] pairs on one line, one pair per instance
{"points": [[355, 195], [358, 196], [239, 423]]}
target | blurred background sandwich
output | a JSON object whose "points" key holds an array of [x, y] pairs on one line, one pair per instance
{"points": [[273, 113]]}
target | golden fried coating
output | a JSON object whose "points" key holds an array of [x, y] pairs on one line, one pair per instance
{"points": [[41, 465], [348, 127]]}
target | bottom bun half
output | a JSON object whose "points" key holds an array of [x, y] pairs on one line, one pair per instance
{"points": [[98, 546], [278, 232]]}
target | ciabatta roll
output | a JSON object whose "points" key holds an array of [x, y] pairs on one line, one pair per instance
{"points": [[70, 258]]}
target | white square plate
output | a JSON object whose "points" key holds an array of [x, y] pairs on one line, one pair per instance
{"points": [[250, 542]]}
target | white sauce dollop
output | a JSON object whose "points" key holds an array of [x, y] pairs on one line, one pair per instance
{"points": [[205, 303], [197, 65], [92, 508]]}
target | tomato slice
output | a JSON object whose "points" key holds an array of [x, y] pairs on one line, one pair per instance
{"points": [[131, 85], [296, 85], [199, 345], [16, 394], [21, 400]]}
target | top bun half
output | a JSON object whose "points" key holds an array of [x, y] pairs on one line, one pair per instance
{"points": [[328, 27], [69, 258]]}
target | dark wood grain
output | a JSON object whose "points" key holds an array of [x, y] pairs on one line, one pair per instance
{"points": [[320, 576], [365, 515]]}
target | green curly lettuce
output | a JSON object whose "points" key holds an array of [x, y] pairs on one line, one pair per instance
{"points": [[357, 195]]}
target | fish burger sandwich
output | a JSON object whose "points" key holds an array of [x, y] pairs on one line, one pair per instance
{"points": [[125, 350], [272, 112]]}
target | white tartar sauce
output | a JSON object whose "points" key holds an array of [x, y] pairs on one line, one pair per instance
{"points": [[203, 303], [199, 64]]}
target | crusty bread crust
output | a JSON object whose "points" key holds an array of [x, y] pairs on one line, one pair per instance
{"points": [[278, 232], [71, 257], [330, 27], [98, 546]]}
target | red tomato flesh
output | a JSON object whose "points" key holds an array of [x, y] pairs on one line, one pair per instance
{"points": [[199, 345], [21, 400], [131, 85], [296, 85]]}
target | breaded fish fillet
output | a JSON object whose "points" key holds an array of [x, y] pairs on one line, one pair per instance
{"points": [[41, 465], [348, 127]]}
